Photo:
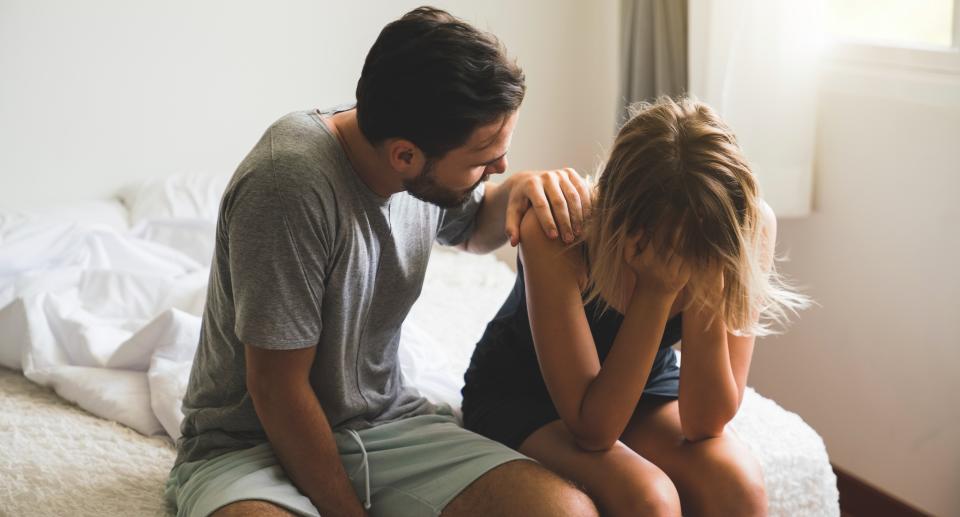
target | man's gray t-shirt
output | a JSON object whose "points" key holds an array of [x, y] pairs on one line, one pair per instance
{"points": [[307, 255]]}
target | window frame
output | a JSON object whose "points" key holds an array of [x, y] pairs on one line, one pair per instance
{"points": [[903, 56]]}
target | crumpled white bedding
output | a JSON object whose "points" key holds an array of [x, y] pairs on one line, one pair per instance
{"points": [[110, 320], [107, 318], [108, 315]]}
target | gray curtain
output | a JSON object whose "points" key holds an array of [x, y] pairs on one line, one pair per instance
{"points": [[653, 50]]}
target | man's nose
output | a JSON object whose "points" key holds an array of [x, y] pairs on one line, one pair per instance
{"points": [[498, 167]]}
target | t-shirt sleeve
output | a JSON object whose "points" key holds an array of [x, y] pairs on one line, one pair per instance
{"points": [[457, 224], [278, 245]]}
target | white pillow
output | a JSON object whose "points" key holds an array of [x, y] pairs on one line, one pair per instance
{"points": [[178, 196], [110, 212]]}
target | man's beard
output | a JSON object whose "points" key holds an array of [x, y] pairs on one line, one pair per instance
{"points": [[426, 188]]}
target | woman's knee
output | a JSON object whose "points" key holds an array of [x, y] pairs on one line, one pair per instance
{"points": [[747, 491], [735, 484], [648, 493]]}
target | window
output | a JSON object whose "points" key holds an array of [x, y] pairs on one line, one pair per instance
{"points": [[903, 33], [916, 23]]}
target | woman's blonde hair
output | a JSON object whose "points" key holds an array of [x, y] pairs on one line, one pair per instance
{"points": [[677, 178]]}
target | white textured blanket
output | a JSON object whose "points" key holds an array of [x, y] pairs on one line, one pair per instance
{"points": [[108, 317]]}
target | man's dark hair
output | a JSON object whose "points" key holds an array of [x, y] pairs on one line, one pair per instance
{"points": [[432, 79]]}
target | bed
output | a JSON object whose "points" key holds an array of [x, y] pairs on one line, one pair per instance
{"points": [[100, 308]]}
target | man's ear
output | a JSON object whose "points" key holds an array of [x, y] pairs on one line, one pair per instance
{"points": [[405, 157]]}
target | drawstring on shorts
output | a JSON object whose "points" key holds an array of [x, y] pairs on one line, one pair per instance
{"points": [[364, 464]]}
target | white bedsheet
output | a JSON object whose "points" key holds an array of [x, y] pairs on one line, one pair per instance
{"points": [[110, 318]]}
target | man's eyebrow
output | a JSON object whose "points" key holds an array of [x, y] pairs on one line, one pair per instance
{"points": [[495, 160], [493, 138]]}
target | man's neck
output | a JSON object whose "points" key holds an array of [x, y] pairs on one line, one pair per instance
{"points": [[368, 163]]}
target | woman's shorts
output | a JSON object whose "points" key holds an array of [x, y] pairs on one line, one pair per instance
{"points": [[512, 419]]}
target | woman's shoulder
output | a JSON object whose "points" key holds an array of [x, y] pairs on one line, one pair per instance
{"points": [[540, 251]]}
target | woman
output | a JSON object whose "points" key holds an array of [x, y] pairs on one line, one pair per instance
{"points": [[577, 370]]}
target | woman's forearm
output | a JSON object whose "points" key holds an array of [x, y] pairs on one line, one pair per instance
{"points": [[611, 398], [709, 395]]}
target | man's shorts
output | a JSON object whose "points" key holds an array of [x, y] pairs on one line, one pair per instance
{"points": [[414, 467]]}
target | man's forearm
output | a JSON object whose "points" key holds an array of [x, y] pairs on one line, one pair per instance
{"points": [[303, 441], [490, 231]]}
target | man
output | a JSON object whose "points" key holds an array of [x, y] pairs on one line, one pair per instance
{"points": [[295, 404]]}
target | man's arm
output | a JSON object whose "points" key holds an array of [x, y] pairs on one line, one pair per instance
{"points": [[560, 199], [298, 430]]}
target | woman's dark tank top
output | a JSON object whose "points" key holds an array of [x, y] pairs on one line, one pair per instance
{"points": [[504, 363]]}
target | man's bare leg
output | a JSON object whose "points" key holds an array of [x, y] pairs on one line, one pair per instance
{"points": [[252, 507], [516, 488], [521, 488]]}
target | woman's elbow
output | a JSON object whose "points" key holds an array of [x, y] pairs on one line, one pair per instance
{"points": [[699, 436], [594, 444], [698, 424], [702, 431], [594, 440]]}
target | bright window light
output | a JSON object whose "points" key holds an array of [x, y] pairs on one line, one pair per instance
{"points": [[914, 23]]}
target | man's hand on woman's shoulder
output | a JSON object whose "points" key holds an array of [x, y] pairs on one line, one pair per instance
{"points": [[560, 199]]}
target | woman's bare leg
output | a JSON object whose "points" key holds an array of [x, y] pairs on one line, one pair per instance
{"points": [[717, 476], [619, 480]]}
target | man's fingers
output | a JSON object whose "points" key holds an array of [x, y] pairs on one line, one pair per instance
{"points": [[574, 205], [541, 207], [515, 210], [583, 188], [559, 199], [560, 216]]}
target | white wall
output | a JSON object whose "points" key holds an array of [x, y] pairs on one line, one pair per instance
{"points": [[96, 94], [875, 369]]}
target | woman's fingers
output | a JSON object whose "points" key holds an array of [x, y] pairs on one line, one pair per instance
{"points": [[662, 264]]}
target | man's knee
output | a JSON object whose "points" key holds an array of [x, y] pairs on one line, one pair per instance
{"points": [[250, 508], [545, 489], [524, 488]]}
